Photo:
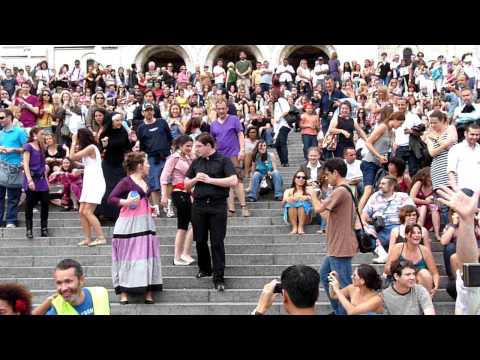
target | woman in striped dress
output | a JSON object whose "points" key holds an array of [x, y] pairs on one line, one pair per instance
{"points": [[440, 139], [136, 266]]}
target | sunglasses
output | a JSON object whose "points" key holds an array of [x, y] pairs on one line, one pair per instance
{"points": [[301, 177]]}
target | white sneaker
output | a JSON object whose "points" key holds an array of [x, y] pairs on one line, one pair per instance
{"points": [[180, 262], [382, 255], [170, 213], [11, 226]]}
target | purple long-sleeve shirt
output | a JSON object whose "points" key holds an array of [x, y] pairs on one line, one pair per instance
{"points": [[122, 189]]}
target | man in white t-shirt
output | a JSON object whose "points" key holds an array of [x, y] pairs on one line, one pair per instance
{"points": [[319, 72], [354, 173], [468, 298], [286, 73], [219, 74], [402, 137]]}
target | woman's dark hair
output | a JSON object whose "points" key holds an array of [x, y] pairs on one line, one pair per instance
{"points": [[409, 229], [105, 116], [256, 155], [205, 139], [17, 296], [347, 104], [422, 175], [370, 276], [50, 100], [180, 141], [32, 134], [347, 67], [70, 167], [254, 129], [193, 123], [132, 160], [399, 165], [85, 138], [304, 187]]}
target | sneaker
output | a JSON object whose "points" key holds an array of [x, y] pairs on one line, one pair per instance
{"points": [[170, 213], [245, 211], [382, 255], [11, 226], [180, 262], [219, 286]]}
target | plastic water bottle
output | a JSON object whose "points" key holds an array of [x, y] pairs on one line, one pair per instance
{"points": [[133, 195]]}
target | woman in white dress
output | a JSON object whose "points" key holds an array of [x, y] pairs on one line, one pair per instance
{"points": [[84, 147]]}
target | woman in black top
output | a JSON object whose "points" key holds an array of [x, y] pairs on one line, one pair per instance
{"points": [[54, 153], [114, 144], [344, 127]]}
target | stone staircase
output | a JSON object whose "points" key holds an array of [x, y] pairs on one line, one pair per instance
{"points": [[258, 249]]}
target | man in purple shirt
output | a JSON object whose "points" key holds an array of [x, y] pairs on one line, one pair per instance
{"points": [[29, 106], [228, 134]]}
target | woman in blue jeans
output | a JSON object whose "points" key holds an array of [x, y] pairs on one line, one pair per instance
{"points": [[265, 164]]}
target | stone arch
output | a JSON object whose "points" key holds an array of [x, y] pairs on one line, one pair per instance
{"points": [[253, 53], [170, 51], [87, 59], [288, 50]]}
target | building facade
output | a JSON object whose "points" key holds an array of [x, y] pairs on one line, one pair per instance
{"points": [[199, 55]]}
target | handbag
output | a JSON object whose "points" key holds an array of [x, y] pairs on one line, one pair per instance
{"points": [[330, 142], [266, 185], [366, 242], [11, 176]]}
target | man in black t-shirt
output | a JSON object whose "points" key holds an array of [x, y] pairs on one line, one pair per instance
{"points": [[211, 175]]}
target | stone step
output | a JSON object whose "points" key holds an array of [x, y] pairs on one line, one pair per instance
{"points": [[230, 308], [210, 296], [177, 282], [167, 269]]}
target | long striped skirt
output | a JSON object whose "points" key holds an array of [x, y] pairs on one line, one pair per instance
{"points": [[136, 264]]}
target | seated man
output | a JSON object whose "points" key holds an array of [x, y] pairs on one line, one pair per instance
{"points": [[71, 297], [299, 288], [313, 167], [405, 296], [354, 173], [382, 213]]}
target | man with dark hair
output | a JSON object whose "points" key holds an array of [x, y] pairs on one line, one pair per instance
{"points": [[211, 174], [405, 296], [382, 213], [299, 287], [342, 243], [466, 113], [72, 298]]}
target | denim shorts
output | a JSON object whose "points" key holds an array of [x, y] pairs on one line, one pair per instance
{"points": [[154, 173], [369, 170]]}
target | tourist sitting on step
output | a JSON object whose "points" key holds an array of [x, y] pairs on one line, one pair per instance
{"points": [[297, 204], [15, 299], [427, 272], [265, 166], [361, 297], [70, 181], [72, 298], [299, 286]]}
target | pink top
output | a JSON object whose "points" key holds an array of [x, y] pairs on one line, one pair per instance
{"points": [[175, 169], [182, 77]]}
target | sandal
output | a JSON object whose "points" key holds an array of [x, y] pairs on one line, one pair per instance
{"points": [[100, 241], [84, 243]]}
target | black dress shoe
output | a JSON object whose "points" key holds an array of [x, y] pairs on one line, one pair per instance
{"points": [[123, 302], [220, 286], [29, 234], [202, 274], [149, 302], [44, 233]]}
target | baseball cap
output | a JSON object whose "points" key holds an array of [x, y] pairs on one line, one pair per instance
{"points": [[147, 105]]}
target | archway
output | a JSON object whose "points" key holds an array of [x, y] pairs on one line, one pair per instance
{"points": [[294, 53], [230, 53], [162, 55]]}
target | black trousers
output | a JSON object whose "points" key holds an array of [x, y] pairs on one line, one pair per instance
{"points": [[282, 144], [210, 217], [33, 197]]}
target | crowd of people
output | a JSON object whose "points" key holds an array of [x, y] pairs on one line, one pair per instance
{"points": [[394, 140]]}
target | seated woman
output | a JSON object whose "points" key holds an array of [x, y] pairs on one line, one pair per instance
{"points": [[421, 256], [422, 194], [54, 153], [251, 141], [297, 204], [71, 179], [396, 168], [362, 296], [408, 216], [265, 165]]}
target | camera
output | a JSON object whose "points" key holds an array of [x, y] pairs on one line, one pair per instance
{"points": [[278, 288], [378, 223], [471, 275]]}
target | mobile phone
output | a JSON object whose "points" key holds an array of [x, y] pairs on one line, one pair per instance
{"points": [[278, 288]]}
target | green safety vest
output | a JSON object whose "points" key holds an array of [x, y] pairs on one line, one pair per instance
{"points": [[101, 304]]}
